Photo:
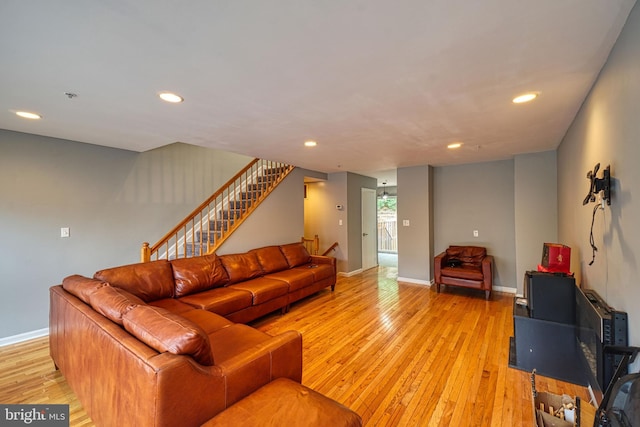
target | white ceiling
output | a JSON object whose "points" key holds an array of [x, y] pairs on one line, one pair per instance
{"points": [[379, 84]]}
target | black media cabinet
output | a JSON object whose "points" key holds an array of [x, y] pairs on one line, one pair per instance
{"points": [[544, 336]]}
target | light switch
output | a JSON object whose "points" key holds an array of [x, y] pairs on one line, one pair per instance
{"points": [[339, 222], [64, 232], [475, 233], [405, 222]]}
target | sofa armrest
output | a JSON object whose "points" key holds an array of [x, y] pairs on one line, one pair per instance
{"points": [[438, 262], [319, 259], [246, 372], [487, 271]]}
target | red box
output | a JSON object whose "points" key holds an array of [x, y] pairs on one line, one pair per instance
{"points": [[556, 258]]}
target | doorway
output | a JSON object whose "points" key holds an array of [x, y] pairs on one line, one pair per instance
{"points": [[369, 236], [387, 218]]}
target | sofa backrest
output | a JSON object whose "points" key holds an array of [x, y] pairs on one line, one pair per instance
{"points": [[241, 267], [197, 274], [271, 259], [468, 255], [296, 254], [149, 281], [168, 332]]}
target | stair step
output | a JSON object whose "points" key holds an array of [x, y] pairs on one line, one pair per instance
{"points": [[219, 225], [239, 204], [211, 236], [229, 214], [195, 250]]}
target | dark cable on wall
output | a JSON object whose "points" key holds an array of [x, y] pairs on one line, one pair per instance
{"points": [[591, 238]]}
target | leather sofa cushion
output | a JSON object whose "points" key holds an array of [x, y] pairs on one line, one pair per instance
{"points": [[296, 278], [263, 289], [222, 301], [208, 321], [229, 342], [241, 267], [168, 332], [296, 254], [468, 255], [283, 402], [197, 274], [319, 271], [112, 302], [148, 280], [271, 259], [82, 287]]}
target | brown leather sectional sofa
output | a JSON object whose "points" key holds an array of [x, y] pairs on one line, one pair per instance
{"points": [[163, 344]]}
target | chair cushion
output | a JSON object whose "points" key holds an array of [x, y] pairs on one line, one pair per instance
{"points": [[197, 274], [241, 267], [463, 272], [168, 332], [271, 259], [147, 280], [296, 254]]}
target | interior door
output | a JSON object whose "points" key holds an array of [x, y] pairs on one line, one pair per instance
{"points": [[369, 230]]}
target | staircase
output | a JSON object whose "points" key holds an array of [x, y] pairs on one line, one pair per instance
{"points": [[211, 223]]}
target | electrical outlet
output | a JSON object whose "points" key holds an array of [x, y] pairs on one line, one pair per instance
{"points": [[475, 233], [64, 232], [405, 222]]}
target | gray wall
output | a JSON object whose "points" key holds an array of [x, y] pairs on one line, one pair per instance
{"points": [[112, 200], [478, 196], [536, 207], [415, 242], [607, 130]]}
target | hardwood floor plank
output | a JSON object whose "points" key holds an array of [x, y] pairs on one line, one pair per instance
{"points": [[398, 354]]}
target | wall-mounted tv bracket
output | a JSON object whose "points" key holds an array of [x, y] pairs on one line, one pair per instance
{"points": [[596, 185]]}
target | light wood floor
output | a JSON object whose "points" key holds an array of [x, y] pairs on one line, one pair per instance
{"points": [[398, 354]]}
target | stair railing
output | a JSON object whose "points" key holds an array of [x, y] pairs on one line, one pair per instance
{"points": [[331, 248], [211, 223]]}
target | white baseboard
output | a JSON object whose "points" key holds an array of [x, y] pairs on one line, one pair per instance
{"points": [[15, 339], [350, 273], [415, 281], [505, 289]]}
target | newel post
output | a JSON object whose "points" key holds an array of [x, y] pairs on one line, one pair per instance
{"points": [[145, 252]]}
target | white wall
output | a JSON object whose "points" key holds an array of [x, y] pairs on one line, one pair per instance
{"points": [[606, 130]]}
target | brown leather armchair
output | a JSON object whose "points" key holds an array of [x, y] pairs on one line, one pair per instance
{"points": [[466, 266]]}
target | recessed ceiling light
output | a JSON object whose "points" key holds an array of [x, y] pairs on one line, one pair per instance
{"points": [[28, 115], [525, 97], [310, 143], [170, 97], [454, 145]]}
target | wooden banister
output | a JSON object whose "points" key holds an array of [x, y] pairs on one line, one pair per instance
{"points": [[312, 245], [213, 221], [331, 248]]}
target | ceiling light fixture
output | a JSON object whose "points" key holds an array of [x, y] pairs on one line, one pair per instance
{"points": [[384, 190], [170, 97], [28, 115], [310, 143], [454, 145], [525, 97]]}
